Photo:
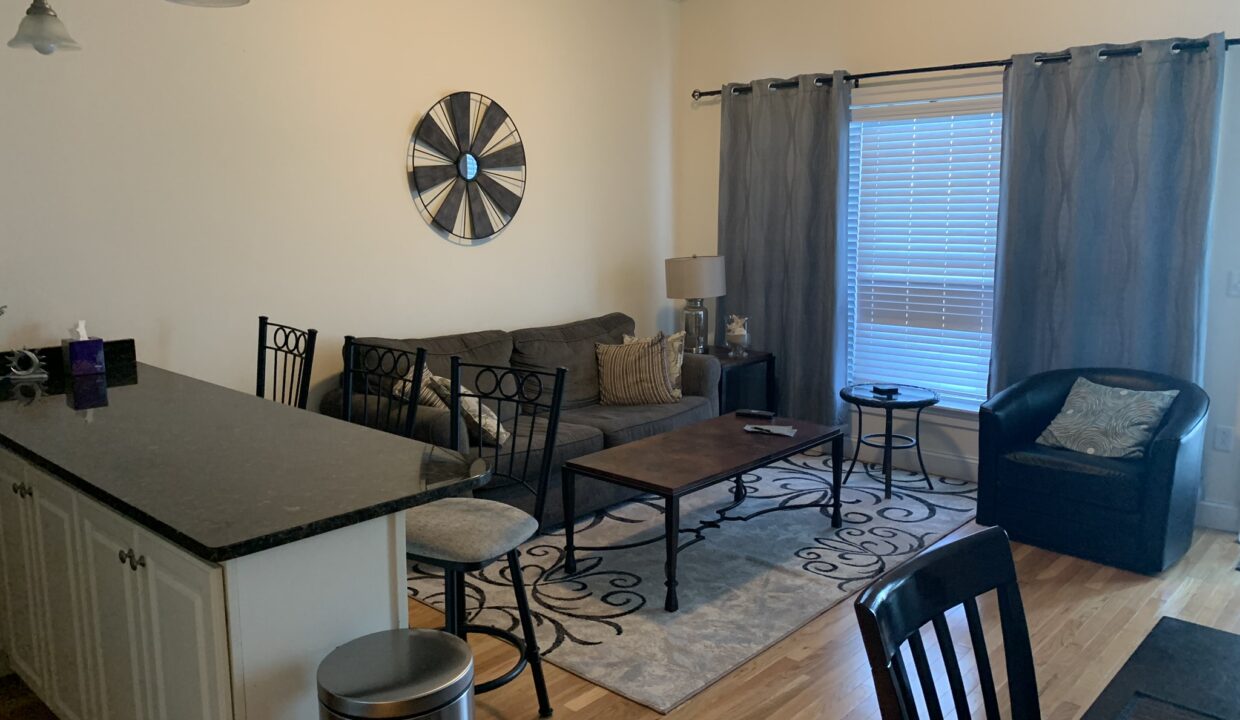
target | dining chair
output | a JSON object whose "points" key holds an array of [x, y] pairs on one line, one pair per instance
{"points": [[893, 611], [286, 354], [381, 386], [460, 535]]}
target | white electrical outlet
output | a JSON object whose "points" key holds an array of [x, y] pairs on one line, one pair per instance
{"points": [[1224, 438]]}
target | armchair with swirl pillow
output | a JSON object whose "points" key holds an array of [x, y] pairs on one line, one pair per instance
{"points": [[1135, 513]]}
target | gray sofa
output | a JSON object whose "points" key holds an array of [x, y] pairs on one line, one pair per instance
{"points": [[585, 425]]}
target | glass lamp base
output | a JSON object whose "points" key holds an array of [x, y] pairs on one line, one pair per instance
{"points": [[695, 326]]}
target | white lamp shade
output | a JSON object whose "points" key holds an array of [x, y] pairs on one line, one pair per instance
{"points": [[45, 33], [700, 276]]}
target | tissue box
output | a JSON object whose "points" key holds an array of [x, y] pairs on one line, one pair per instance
{"points": [[83, 357], [87, 392]]}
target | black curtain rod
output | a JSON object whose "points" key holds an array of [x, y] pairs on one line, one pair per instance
{"points": [[1058, 57]]}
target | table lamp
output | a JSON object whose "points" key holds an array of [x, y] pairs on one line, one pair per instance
{"points": [[694, 279]]}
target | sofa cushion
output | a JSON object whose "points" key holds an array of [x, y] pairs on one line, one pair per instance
{"points": [[1071, 477], [486, 347], [522, 456], [625, 423], [570, 346]]}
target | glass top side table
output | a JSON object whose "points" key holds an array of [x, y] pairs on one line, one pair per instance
{"points": [[907, 397]]}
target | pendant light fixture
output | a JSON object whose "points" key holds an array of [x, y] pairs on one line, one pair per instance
{"points": [[43, 31], [211, 3]]}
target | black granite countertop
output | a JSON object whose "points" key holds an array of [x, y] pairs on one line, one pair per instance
{"points": [[222, 473]]}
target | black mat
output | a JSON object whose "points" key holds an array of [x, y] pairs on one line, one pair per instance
{"points": [[1181, 671]]}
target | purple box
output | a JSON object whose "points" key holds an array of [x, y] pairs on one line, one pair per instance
{"points": [[83, 357], [87, 392]]}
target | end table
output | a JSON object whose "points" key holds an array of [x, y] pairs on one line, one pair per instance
{"points": [[741, 382], [908, 397]]}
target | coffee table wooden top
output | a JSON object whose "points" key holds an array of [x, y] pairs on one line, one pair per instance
{"points": [[692, 457]]}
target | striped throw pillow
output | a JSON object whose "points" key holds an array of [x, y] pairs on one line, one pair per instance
{"points": [[634, 374]]}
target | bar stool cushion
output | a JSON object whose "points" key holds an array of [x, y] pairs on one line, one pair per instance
{"points": [[466, 530]]}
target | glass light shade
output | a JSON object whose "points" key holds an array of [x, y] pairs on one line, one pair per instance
{"points": [[211, 3], [45, 33]]}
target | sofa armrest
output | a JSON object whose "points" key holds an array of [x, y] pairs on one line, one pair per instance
{"points": [[1173, 482], [430, 425], [700, 376], [1011, 418]]}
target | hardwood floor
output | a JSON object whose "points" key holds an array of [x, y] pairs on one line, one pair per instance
{"points": [[1084, 621]]}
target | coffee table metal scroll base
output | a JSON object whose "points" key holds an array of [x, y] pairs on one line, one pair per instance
{"points": [[671, 603]]}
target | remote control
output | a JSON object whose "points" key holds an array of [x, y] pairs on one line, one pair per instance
{"points": [[763, 414]]}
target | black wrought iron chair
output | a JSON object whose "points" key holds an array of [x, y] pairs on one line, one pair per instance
{"points": [[894, 609], [461, 535], [381, 386], [286, 354]]}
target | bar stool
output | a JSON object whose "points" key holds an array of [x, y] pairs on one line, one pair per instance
{"points": [[461, 535], [291, 355], [398, 675]]}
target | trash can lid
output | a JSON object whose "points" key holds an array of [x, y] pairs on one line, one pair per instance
{"points": [[395, 674]]}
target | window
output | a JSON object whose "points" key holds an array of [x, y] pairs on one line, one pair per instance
{"points": [[922, 223]]}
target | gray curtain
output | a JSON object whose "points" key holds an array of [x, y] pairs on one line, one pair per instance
{"points": [[783, 181], [1108, 167]]}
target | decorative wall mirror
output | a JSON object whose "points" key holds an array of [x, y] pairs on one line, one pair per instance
{"points": [[466, 167]]}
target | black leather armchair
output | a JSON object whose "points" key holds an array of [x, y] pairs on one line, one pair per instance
{"points": [[1135, 514]]}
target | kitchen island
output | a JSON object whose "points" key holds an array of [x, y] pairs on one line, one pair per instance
{"points": [[189, 551]]}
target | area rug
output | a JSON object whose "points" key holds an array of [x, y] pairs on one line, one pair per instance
{"points": [[748, 577]]}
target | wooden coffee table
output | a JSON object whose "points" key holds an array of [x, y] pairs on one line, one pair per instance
{"points": [[676, 463]]}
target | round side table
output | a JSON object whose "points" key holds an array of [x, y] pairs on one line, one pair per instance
{"points": [[909, 397]]}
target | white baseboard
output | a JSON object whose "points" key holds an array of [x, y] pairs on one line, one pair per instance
{"points": [[1218, 516], [946, 464]]}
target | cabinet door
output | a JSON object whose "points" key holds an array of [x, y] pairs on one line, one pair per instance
{"points": [[187, 650], [113, 614], [57, 564], [21, 600]]}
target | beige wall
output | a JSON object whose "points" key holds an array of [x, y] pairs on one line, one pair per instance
{"points": [[740, 40], [190, 169]]}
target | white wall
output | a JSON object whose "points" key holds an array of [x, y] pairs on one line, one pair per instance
{"points": [[740, 40], [191, 168]]}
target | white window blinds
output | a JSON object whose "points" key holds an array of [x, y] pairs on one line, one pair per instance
{"points": [[922, 212]]}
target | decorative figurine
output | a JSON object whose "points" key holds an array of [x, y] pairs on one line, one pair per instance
{"points": [[737, 336]]}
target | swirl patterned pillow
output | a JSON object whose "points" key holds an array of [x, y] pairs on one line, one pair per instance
{"points": [[1107, 421]]}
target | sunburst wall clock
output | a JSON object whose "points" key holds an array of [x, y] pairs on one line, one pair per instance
{"points": [[467, 167]]}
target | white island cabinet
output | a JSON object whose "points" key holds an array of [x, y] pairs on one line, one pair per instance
{"points": [[96, 635], [193, 553]]}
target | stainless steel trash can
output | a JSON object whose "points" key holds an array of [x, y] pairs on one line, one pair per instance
{"points": [[398, 675]]}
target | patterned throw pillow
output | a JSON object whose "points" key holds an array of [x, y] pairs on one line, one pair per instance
{"points": [[634, 374], [480, 420], [1107, 421], [675, 357]]}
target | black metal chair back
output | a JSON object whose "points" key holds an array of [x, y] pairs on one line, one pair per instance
{"points": [[285, 357], [381, 386], [894, 609], [528, 403]]}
